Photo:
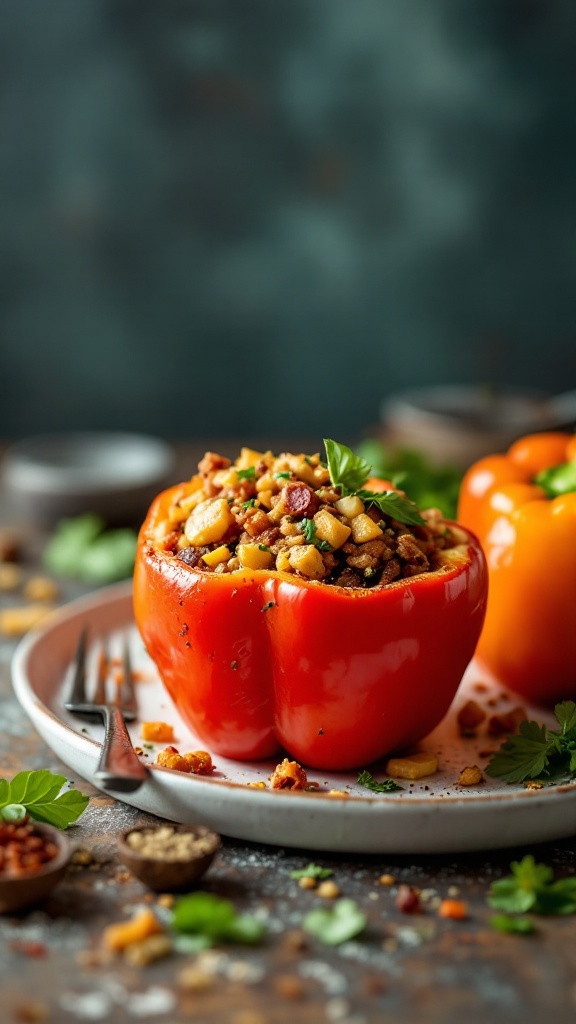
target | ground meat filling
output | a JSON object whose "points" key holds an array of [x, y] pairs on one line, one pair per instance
{"points": [[282, 513]]}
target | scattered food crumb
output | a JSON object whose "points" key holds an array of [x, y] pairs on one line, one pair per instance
{"points": [[471, 776], [328, 890]]}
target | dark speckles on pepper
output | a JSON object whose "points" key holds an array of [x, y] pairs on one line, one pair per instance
{"points": [[234, 665], [320, 732], [184, 629], [267, 607]]}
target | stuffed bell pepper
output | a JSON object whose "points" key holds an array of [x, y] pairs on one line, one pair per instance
{"points": [[522, 506], [294, 603]]}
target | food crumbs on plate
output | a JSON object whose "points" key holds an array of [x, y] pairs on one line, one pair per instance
{"points": [[256, 785], [532, 784], [471, 776], [456, 910], [157, 732], [197, 762], [387, 879], [328, 890], [414, 766], [469, 717], [338, 792], [508, 721], [117, 937], [288, 775]]}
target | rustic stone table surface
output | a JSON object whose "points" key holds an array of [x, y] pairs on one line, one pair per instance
{"points": [[410, 967]]}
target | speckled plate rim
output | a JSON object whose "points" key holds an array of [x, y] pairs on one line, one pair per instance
{"points": [[493, 817]]}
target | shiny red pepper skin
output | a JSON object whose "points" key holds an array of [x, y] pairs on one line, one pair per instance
{"points": [[260, 660]]}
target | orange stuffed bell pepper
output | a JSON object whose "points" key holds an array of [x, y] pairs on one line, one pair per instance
{"points": [[289, 604], [522, 506]]}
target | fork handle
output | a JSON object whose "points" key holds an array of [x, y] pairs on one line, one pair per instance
{"points": [[119, 767]]}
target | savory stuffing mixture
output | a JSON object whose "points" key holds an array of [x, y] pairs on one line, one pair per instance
{"points": [[283, 513]]}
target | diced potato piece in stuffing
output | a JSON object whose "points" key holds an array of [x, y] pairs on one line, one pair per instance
{"points": [[364, 529], [219, 554], [248, 457], [265, 498], [283, 561], [208, 522], [225, 477], [252, 557], [350, 506], [414, 766], [266, 482], [330, 529], [307, 559]]}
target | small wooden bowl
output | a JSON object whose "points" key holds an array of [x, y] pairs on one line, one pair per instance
{"points": [[26, 890], [170, 875]]}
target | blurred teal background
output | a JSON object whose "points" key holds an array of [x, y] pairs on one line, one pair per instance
{"points": [[231, 216]]}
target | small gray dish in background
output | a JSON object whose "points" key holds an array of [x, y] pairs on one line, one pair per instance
{"points": [[115, 475]]}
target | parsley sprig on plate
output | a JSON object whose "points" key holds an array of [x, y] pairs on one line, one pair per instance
{"points": [[349, 472], [538, 753]]}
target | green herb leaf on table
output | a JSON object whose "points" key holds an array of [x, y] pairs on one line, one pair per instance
{"points": [[312, 871], [538, 753], [531, 887], [369, 782], [512, 925], [337, 924], [216, 920], [84, 549], [40, 793]]}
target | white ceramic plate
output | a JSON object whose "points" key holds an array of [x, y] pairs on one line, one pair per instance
{"points": [[433, 815]]}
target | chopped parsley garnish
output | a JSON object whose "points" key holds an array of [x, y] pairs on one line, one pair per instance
{"points": [[247, 474], [539, 753], [512, 925], [348, 473], [308, 527], [249, 504], [369, 782], [282, 476], [263, 547]]}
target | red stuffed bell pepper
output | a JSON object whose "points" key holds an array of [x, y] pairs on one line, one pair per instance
{"points": [[287, 606], [522, 506]]}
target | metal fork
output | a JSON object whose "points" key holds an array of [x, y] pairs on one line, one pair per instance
{"points": [[119, 767]]}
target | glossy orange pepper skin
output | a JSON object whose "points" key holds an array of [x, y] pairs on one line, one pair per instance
{"points": [[529, 637], [257, 661]]}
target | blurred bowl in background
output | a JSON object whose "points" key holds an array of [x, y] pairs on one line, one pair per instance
{"points": [[458, 425], [115, 475]]}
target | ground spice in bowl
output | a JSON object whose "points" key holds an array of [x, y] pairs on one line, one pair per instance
{"points": [[168, 858]]}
